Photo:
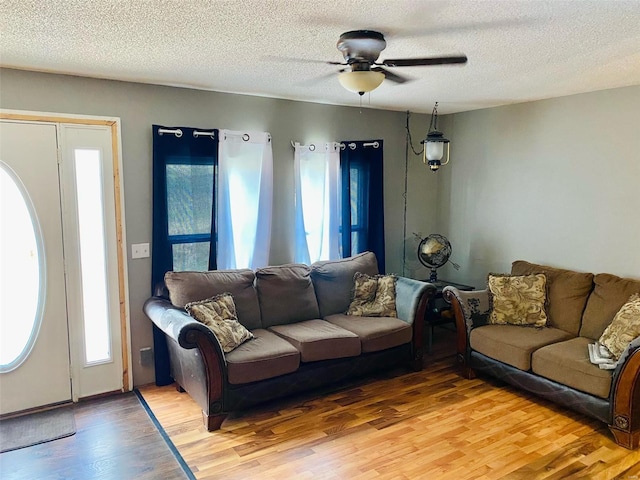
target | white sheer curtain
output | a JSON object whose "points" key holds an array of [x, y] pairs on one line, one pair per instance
{"points": [[245, 199], [317, 172]]}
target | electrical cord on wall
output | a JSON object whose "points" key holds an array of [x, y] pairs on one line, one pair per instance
{"points": [[408, 143]]}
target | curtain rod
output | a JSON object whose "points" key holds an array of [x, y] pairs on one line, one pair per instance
{"points": [[178, 133], [351, 145], [312, 146]]}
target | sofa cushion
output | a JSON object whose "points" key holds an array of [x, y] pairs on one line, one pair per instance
{"points": [[517, 299], [568, 363], [512, 344], [266, 356], [319, 340], [624, 328], [286, 294], [375, 333], [219, 314], [185, 287], [608, 296], [373, 296], [567, 293], [333, 280]]}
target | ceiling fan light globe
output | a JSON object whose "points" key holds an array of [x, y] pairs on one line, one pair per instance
{"points": [[361, 81]]}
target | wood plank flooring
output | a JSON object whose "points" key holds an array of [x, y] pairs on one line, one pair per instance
{"points": [[432, 424], [115, 439]]}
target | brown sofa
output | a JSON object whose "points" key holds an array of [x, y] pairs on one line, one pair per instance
{"points": [[553, 362], [302, 337]]}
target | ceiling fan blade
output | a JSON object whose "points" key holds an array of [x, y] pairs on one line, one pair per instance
{"points": [[414, 62], [393, 77], [299, 60], [316, 80]]}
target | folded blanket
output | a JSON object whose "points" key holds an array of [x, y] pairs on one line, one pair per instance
{"points": [[599, 355]]}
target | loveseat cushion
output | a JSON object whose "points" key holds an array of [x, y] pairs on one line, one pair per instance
{"points": [[567, 293], [185, 287], [513, 344], [568, 363], [319, 340], [333, 280], [286, 294], [266, 356], [608, 296], [375, 333]]}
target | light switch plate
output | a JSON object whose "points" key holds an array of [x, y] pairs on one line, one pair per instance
{"points": [[139, 250]]}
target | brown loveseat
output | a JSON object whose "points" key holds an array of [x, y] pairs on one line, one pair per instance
{"points": [[302, 337], [553, 362]]}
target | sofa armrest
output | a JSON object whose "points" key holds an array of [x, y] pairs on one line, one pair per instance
{"points": [[175, 322], [471, 310], [190, 334], [625, 398], [412, 298], [410, 294]]}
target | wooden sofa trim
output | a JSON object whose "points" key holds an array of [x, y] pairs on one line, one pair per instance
{"points": [[625, 412], [462, 340]]}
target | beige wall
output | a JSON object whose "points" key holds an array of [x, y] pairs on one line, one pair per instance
{"points": [[140, 106], [554, 182]]}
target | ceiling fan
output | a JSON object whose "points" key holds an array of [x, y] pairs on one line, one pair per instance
{"points": [[361, 49]]}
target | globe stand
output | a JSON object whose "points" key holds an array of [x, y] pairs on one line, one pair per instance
{"points": [[433, 278]]}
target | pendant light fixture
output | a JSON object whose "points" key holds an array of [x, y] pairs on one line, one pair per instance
{"points": [[434, 145]]}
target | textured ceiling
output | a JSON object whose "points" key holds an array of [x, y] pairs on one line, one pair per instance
{"points": [[518, 50]]}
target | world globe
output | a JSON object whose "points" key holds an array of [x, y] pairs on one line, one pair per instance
{"points": [[433, 252]]}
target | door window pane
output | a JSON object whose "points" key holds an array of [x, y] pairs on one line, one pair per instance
{"points": [[21, 282], [93, 265]]}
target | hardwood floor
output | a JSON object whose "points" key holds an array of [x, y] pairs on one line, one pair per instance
{"points": [[115, 439], [404, 425]]}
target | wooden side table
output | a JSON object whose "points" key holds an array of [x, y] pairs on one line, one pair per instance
{"points": [[433, 315]]}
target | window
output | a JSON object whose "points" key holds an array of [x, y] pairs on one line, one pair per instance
{"points": [[22, 276], [362, 199], [339, 201], [189, 207], [184, 177], [212, 199], [93, 255]]}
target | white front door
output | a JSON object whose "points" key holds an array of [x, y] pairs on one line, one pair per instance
{"points": [[62, 269], [34, 340]]}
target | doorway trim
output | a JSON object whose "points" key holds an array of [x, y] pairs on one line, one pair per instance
{"points": [[123, 288]]}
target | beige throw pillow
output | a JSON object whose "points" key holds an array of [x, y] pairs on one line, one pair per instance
{"points": [[373, 296], [624, 328], [518, 300], [219, 314]]}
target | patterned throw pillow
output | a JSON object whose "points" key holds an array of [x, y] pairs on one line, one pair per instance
{"points": [[518, 300], [373, 296], [624, 328], [219, 314]]}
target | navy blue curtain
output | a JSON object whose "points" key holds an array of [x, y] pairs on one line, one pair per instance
{"points": [[362, 209], [184, 222]]}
